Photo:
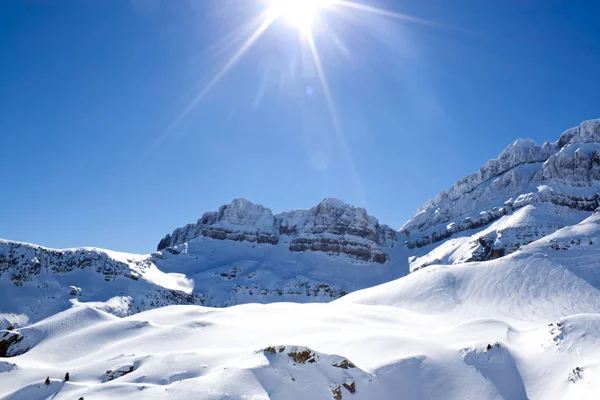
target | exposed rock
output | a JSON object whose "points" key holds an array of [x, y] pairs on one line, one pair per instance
{"points": [[331, 227], [359, 251], [350, 385], [303, 356], [576, 375], [565, 173], [74, 291], [9, 341], [295, 287], [117, 373], [344, 364], [272, 350], [241, 220], [336, 392]]}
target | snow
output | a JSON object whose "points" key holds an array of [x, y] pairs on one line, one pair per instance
{"points": [[38, 282], [509, 233], [570, 167], [194, 352], [502, 302], [525, 326]]}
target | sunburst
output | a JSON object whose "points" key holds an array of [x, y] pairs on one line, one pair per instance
{"points": [[300, 15]]}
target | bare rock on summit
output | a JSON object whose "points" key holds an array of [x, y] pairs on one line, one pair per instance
{"points": [[560, 179], [331, 227], [336, 228], [241, 220]]}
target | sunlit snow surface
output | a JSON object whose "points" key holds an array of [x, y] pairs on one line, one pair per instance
{"points": [[523, 326]]}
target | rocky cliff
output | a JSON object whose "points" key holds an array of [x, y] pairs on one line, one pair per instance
{"points": [[241, 220], [37, 281], [332, 227], [564, 174]]}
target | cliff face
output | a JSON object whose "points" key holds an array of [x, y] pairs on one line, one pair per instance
{"points": [[565, 173], [239, 221], [331, 227], [549, 186], [37, 282], [23, 262]]}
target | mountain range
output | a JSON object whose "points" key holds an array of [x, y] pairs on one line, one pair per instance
{"points": [[494, 283]]}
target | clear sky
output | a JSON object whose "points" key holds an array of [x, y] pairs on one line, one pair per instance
{"points": [[105, 142]]}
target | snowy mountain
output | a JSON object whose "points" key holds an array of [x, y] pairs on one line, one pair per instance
{"points": [[525, 326], [240, 254], [492, 291], [528, 192], [331, 227], [36, 282]]}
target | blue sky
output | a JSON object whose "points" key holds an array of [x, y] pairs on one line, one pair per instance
{"points": [[90, 90]]}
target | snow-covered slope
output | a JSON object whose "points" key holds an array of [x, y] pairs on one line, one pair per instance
{"points": [[36, 282], [525, 326], [555, 276], [548, 186], [241, 254]]}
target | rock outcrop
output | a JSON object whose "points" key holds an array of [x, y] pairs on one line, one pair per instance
{"points": [[129, 283], [24, 261], [241, 220], [565, 173], [337, 228], [342, 376], [332, 227], [10, 344]]}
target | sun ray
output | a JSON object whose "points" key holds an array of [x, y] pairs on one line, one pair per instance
{"points": [[334, 116], [224, 45], [267, 21], [387, 13], [300, 14], [323, 80]]}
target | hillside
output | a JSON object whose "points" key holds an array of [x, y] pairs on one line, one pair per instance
{"points": [[525, 326]]}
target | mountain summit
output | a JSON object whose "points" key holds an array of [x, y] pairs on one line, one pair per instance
{"points": [[332, 227], [529, 191]]}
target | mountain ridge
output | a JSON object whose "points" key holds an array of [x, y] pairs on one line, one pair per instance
{"points": [[507, 304], [314, 229], [564, 174], [243, 252]]}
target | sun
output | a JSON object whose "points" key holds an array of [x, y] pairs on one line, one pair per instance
{"points": [[300, 14]]}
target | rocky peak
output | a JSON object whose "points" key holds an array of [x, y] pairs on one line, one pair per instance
{"points": [[521, 151], [332, 216], [241, 220], [565, 173], [586, 132], [242, 212], [335, 227], [332, 227]]}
